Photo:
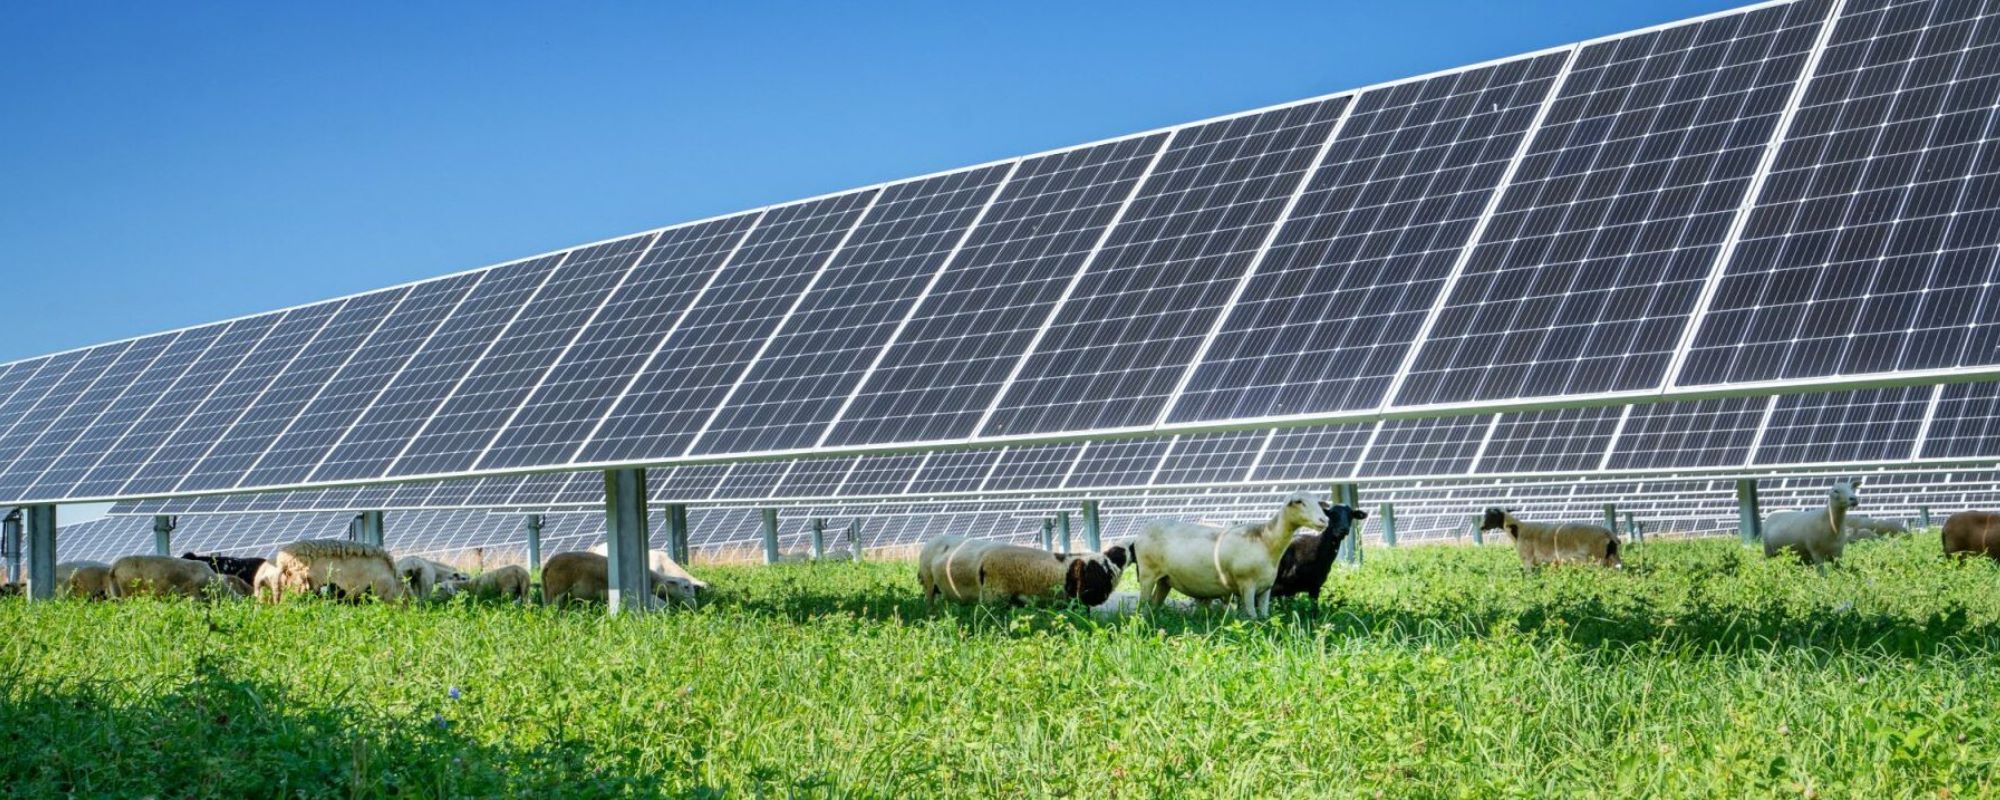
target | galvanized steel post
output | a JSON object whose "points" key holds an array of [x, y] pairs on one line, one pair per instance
{"points": [[1749, 521], [1632, 528], [1349, 495], [677, 533], [769, 518], [10, 544], [854, 538], [1611, 517], [534, 527], [1048, 534], [1924, 515], [40, 522], [1062, 524], [625, 540], [1388, 514], [1093, 528], [163, 535], [819, 538]]}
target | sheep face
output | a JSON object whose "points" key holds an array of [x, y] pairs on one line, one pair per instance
{"points": [[1494, 519], [1090, 578], [1842, 496], [1305, 511], [1341, 518]]}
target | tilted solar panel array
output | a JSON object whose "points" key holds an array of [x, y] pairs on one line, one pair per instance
{"points": [[1798, 191]]}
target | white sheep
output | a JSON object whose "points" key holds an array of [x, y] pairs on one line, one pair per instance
{"points": [[1209, 563], [1555, 543], [1816, 536], [510, 582], [87, 579], [659, 561], [983, 571], [1860, 528], [586, 576], [161, 576], [418, 575], [347, 569]]}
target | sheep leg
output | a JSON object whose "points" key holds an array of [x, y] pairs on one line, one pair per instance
{"points": [[1249, 594], [1264, 603]]}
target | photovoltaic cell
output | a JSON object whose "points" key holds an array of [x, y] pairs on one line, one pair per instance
{"points": [[1873, 245], [1338, 299], [1033, 467], [1115, 350], [1120, 462], [874, 476], [954, 471], [366, 449], [47, 377], [685, 483], [499, 382], [609, 353], [814, 361], [76, 386], [309, 435], [1692, 433], [1966, 423], [1550, 441], [751, 480], [1317, 453], [661, 412], [1442, 446], [233, 450], [169, 463], [1210, 457], [938, 378], [817, 477], [1586, 275], [1861, 425]]}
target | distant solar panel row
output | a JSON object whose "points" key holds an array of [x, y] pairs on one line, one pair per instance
{"points": [[1788, 192]]}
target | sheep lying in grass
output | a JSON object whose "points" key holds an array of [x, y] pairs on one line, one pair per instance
{"points": [[1860, 529], [1309, 558], [1969, 533], [1815, 536], [1208, 563], [1541, 543], [342, 568], [586, 576], [659, 561], [87, 579], [977, 571], [162, 576], [510, 582]]}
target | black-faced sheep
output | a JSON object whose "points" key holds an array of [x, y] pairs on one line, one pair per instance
{"points": [[1209, 563], [245, 568], [1310, 557], [586, 576], [1816, 536], [1540, 543], [982, 571], [343, 568], [86, 579], [160, 576]]}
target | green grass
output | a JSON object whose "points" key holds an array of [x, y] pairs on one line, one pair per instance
{"points": [[1701, 670]]}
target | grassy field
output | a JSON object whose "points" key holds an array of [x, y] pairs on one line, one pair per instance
{"points": [[1701, 670]]}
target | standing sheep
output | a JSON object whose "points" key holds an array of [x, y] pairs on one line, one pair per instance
{"points": [[346, 569], [86, 579], [1309, 558], [160, 576], [1972, 533], [1541, 543], [1208, 563], [586, 576], [969, 571], [1817, 536]]}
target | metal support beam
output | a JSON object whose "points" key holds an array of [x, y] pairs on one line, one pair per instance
{"points": [[1093, 527], [1924, 516], [819, 538], [163, 535], [366, 528], [534, 528], [1387, 513], [40, 522], [1749, 521], [1632, 528], [769, 516], [1048, 534], [625, 540], [677, 534], [1062, 526], [1349, 494], [854, 538], [1611, 517], [10, 544], [1478, 535]]}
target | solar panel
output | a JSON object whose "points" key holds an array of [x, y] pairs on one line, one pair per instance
{"points": [[1585, 276], [1331, 310], [1861, 425], [818, 477], [1210, 457], [1872, 248], [1315, 453], [81, 386], [1112, 353], [1033, 467], [1119, 462], [1966, 423], [1694, 433], [954, 471], [881, 475], [1569, 439], [1425, 446]]}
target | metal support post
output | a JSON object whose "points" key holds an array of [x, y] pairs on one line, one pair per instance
{"points": [[1062, 526], [769, 516], [163, 535], [625, 540], [534, 527], [40, 522], [1093, 527], [1388, 515], [819, 538], [1750, 522]]}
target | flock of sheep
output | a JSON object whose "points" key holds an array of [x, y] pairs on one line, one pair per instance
{"points": [[1246, 564]]}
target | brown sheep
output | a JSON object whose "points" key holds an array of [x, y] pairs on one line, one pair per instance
{"points": [[86, 579], [586, 576], [659, 561], [1544, 543], [159, 576], [1973, 533], [345, 569], [510, 582]]}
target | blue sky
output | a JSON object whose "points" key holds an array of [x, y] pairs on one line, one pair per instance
{"points": [[169, 164]]}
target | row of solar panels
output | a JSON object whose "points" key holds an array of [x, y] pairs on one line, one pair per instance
{"points": [[1952, 423], [1669, 208]]}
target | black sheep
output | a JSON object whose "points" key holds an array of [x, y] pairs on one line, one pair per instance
{"points": [[245, 568], [1309, 558]]}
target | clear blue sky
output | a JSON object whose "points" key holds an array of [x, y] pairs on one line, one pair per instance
{"points": [[165, 164]]}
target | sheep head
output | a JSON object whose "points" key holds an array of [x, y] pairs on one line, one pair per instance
{"points": [[1495, 518], [1303, 510]]}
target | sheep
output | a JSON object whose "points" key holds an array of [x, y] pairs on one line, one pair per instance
{"points": [[87, 579], [1816, 536], [419, 575], [661, 562], [1541, 543], [346, 569], [509, 582], [237, 587], [245, 568], [1860, 529], [160, 576], [1972, 533], [1206, 563], [969, 571], [586, 576], [1309, 558]]}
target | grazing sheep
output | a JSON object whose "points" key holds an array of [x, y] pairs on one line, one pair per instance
{"points": [[1309, 558], [1860, 529], [1972, 533], [1816, 536], [421, 575], [342, 568], [245, 568], [86, 579], [659, 561], [586, 576], [159, 576], [983, 571], [238, 588], [1541, 543], [1208, 563], [510, 582]]}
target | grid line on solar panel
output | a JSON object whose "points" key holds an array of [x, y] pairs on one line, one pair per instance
{"points": [[660, 413], [1859, 425], [751, 480], [953, 471], [1327, 316], [1119, 342], [1688, 433], [871, 288], [1873, 247], [1610, 227], [1210, 457], [1409, 447], [77, 390], [46, 375], [1117, 462], [669, 282], [814, 477], [881, 475], [1966, 423], [232, 451], [939, 377], [488, 394], [1033, 467], [167, 465], [366, 448], [311, 434], [1569, 439], [1314, 453]]}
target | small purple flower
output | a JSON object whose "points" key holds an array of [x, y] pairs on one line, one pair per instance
{"points": [[440, 721], [452, 693]]}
